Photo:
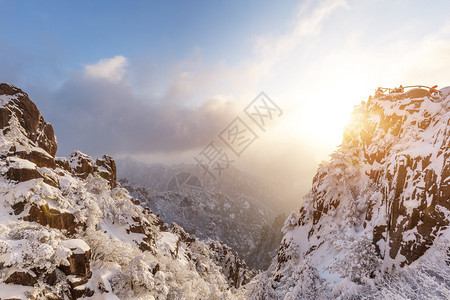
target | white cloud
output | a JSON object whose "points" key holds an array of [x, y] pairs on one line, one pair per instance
{"points": [[111, 69], [307, 23], [428, 63]]}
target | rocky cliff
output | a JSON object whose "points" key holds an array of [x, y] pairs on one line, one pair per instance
{"points": [[375, 222]]}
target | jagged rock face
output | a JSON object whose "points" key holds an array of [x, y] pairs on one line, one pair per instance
{"points": [[16, 102], [28, 142], [81, 164], [106, 166], [386, 190], [406, 143]]}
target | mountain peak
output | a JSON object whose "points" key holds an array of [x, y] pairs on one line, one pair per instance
{"points": [[21, 118]]}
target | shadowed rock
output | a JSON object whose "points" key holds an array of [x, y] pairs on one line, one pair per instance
{"points": [[53, 218], [82, 165], [22, 278], [29, 117]]}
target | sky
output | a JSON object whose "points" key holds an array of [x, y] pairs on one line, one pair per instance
{"points": [[160, 80]]}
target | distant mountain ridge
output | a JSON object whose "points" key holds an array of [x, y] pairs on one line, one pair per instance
{"points": [[274, 195], [230, 210]]}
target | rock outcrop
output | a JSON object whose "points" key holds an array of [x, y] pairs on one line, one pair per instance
{"points": [[83, 165], [17, 106], [30, 147]]}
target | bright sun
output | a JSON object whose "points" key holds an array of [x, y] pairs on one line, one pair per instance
{"points": [[327, 121], [321, 124]]}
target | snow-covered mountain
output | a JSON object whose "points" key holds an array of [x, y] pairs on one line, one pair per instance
{"points": [[236, 209], [68, 230], [375, 223]]}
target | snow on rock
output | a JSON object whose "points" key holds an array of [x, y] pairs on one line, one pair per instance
{"points": [[377, 215], [15, 106], [81, 165], [76, 245]]}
